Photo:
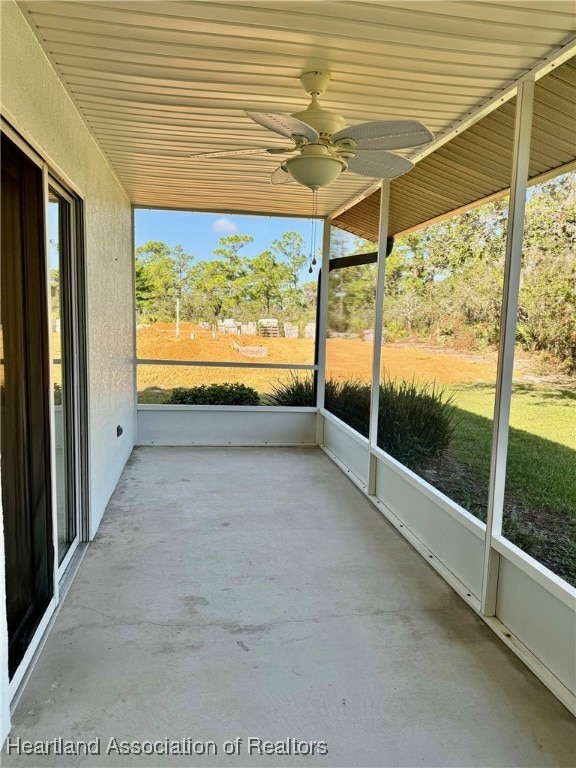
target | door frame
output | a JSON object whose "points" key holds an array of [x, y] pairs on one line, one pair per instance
{"points": [[76, 301], [61, 572]]}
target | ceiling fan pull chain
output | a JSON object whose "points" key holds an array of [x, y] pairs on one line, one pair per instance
{"points": [[313, 237], [315, 213]]}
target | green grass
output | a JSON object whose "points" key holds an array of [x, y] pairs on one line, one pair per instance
{"points": [[153, 396], [542, 443], [540, 410], [540, 493]]}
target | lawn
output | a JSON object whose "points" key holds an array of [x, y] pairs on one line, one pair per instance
{"points": [[541, 447], [536, 408], [540, 495]]}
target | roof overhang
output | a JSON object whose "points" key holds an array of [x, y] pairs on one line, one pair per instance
{"points": [[159, 81], [475, 166]]}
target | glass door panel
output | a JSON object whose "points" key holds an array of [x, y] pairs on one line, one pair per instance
{"points": [[63, 373], [26, 488]]}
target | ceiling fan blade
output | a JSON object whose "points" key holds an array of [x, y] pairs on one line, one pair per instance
{"points": [[285, 125], [234, 152], [380, 165], [280, 176], [386, 134], [281, 150]]}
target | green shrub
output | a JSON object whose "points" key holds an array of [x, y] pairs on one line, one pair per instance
{"points": [[294, 391], [349, 401], [214, 394], [416, 422]]}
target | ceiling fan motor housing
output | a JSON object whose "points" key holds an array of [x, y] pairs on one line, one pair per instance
{"points": [[323, 121], [315, 82]]}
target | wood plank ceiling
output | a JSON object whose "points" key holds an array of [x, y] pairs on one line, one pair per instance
{"points": [[477, 164], [157, 82]]}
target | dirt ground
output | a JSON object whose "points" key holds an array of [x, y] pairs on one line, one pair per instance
{"points": [[345, 358]]}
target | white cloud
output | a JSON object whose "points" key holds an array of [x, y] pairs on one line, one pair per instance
{"points": [[224, 225]]}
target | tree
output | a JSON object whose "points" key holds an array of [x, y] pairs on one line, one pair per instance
{"points": [[209, 288], [351, 298], [163, 273], [219, 288], [547, 300], [144, 292], [55, 293], [446, 280], [235, 268], [290, 249], [269, 282], [351, 290]]}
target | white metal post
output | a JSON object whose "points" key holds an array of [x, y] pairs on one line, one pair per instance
{"points": [[134, 337], [512, 267], [378, 332], [323, 314]]}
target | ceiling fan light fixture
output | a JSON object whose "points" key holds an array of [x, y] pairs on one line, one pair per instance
{"points": [[315, 167]]}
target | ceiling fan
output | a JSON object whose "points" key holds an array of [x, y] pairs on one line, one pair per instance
{"points": [[323, 146]]}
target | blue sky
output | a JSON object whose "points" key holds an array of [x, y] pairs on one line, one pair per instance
{"points": [[199, 233]]}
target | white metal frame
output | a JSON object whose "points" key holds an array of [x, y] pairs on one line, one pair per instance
{"points": [[223, 364], [495, 544], [512, 265], [378, 332], [323, 314], [464, 517], [359, 470], [78, 476]]}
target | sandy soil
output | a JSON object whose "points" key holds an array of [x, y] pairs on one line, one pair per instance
{"points": [[345, 358]]}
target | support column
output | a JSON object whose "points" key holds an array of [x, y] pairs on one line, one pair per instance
{"points": [[378, 332], [512, 267], [323, 314]]}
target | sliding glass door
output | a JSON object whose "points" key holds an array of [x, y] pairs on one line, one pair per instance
{"points": [[43, 436]]}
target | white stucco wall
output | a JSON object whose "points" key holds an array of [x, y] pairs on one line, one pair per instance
{"points": [[37, 105], [34, 97]]}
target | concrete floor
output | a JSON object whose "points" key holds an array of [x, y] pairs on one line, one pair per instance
{"points": [[247, 592]]}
